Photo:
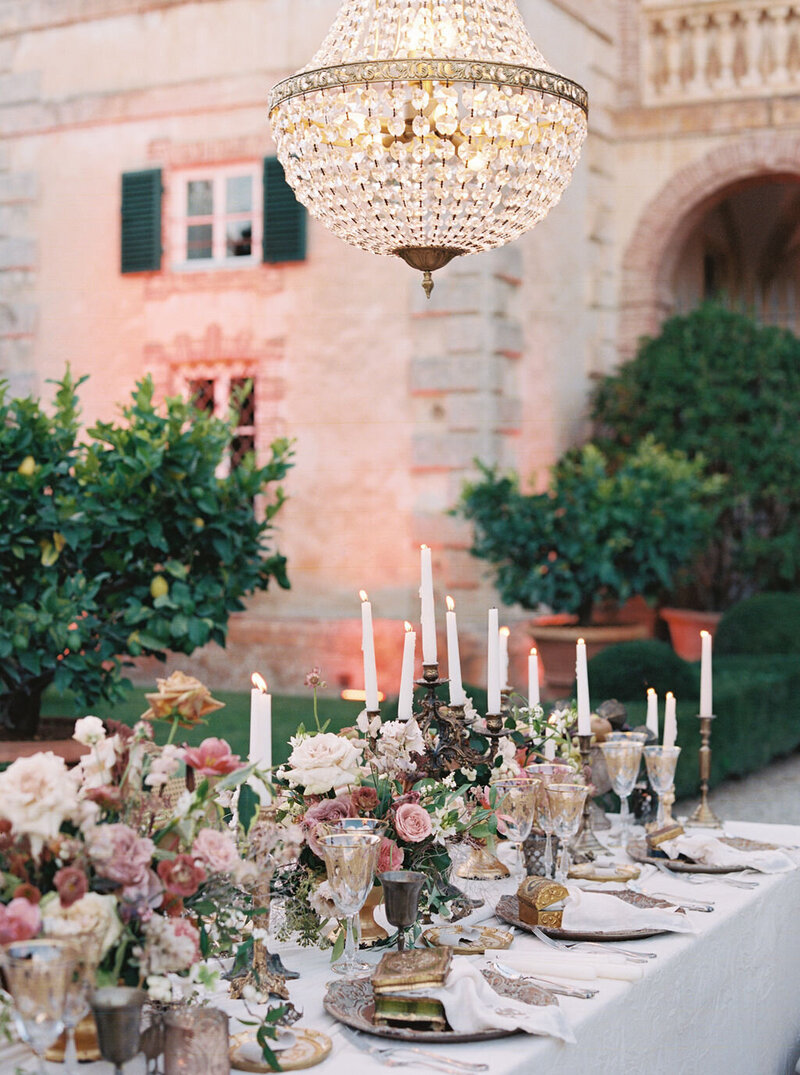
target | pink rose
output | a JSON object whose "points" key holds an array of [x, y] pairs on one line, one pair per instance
{"points": [[212, 758], [119, 854], [409, 797], [363, 800], [180, 876], [19, 921], [412, 823], [327, 810], [216, 850], [390, 856], [71, 884]]}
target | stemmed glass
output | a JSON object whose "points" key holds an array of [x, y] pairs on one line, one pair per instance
{"points": [[84, 949], [661, 762], [350, 859], [566, 809], [546, 773], [37, 974], [515, 807], [118, 1015], [623, 758], [401, 890]]}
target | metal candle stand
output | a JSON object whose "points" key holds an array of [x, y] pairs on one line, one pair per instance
{"points": [[703, 816], [586, 846]]}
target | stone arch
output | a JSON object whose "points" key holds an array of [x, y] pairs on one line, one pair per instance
{"points": [[649, 260]]}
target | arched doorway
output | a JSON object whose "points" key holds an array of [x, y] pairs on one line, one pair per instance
{"points": [[752, 180]]}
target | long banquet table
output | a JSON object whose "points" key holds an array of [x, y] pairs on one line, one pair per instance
{"points": [[723, 1001]]}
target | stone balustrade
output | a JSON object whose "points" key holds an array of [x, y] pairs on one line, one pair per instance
{"points": [[711, 50]]}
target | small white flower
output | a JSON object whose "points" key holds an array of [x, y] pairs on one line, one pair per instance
{"points": [[470, 774], [89, 730], [159, 988]]}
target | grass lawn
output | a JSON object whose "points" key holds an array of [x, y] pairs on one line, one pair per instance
{"points": [[232, 722]]}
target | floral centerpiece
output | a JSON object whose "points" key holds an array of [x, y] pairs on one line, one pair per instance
{"points": [[137, 844]]}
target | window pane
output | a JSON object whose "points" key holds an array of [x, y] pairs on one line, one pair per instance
{"points": [[240, 447], [244, 400], [201, 393], [199, 197], [198, 241], [238, 238], [239, 194]]}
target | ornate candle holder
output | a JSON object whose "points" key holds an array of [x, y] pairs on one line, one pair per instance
{"points": [[703, 816], [586, 845]]}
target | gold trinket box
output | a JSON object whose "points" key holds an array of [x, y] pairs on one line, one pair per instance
{"points": [[416, 968], [541, 902], [666, 832]]}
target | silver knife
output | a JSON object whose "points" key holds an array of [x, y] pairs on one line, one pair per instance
{"points": [[546, 983], [395, 1047]]}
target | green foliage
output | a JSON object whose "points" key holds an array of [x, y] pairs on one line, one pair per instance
{"points": [[597, 534], [717, 384], [121, 542], [766, 623], [629, 668]]}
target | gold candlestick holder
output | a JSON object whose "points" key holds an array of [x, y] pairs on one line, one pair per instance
{"points": [[703, 816], [586, 845]]}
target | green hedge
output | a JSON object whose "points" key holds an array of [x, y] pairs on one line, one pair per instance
{"points": [[765, 623], [629, 668], [756, 702]]}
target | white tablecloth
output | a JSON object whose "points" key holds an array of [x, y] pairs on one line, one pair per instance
{"points": [[725, 1001]]}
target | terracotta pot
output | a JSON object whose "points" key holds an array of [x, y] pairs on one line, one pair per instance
{"points": [[685, 625], [555, 642]]}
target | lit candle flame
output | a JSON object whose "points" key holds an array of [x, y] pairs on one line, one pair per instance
{"points": [[651, 690], [581, 642], [259, 682], [704, 634], [534, 651], [451, 605], [669, 694], [363, 595], [407, 625], [423, 546], [350, 694], [505, 631]]}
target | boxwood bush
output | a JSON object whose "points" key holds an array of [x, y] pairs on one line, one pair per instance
{"points": [[766, 623], [629, 668]]}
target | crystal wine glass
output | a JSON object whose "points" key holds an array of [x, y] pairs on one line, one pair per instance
{"points": [[84, 949], [547, 773], [623, 758], [350, 859], [566, 809], [661, 762], [515, 807], [37, 974]]}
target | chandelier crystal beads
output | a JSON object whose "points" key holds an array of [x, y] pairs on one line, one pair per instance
{"points": [[428, 128]]}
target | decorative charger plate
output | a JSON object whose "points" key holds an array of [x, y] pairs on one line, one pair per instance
{"points": [[508, 909], [637, 849], [490, 938], [619, 872], [310, 1049], [351, 1002]]}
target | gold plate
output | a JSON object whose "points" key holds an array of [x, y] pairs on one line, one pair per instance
{"points": [[588, 871], [490, 937], [310, 1049]]}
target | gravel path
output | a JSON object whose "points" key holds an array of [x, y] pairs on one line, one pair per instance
{"points": [[771, 795]]}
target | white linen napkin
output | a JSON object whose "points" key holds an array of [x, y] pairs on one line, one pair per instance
{"points": [[708, 850], [471, 1004], [589, 912], [585, 967]]}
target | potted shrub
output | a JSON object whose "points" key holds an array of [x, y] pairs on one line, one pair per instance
{"points": [[597, 535], [718, 384], [120, 541]]}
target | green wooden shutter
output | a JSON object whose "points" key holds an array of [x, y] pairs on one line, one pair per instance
{"points": [[284, 236], [141, 221]]}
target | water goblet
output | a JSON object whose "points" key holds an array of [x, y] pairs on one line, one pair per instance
{"points": [[622, 758], [566, 810], [350, 860], [547, 773], [626, 737], [401, 889], [118, 1015], [37, 974], [375, 826], [661, 762], [85, 951], [515, 807]]}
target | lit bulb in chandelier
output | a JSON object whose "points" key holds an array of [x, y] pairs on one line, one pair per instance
{"points": [[428, 129]]}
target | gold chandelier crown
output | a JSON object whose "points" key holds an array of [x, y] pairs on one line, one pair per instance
{"points": [[428, 128]]}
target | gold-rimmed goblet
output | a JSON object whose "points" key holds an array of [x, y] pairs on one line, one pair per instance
{"points": [[85, 951], [515, 807], [351, 859], [37, 974], [623, 758], [548, 773], [566, 809], [661, 762]]}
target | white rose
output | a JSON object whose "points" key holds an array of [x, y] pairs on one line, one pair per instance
{"points": [[159, 988], [92, 913], [36, 796], [89, 730], [320, 763]]}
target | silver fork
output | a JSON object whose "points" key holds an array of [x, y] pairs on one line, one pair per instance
{"points": [[553, 987], [404, 1055], [567, 946], [676, 901], [696, 879]]}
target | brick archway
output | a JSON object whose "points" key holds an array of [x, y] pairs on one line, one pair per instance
{"points": [[649, 261]]}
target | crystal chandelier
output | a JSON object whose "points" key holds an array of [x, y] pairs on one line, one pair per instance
{"points": [[428, 129]]}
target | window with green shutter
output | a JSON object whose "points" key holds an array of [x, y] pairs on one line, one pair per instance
{"points": [[284, 235], [141, 221]]}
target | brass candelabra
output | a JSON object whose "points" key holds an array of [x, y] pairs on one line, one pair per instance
{"points": [[586, 845], [703, 816]]}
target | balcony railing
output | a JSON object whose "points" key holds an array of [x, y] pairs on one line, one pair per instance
{"points": [[710, 50]]}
